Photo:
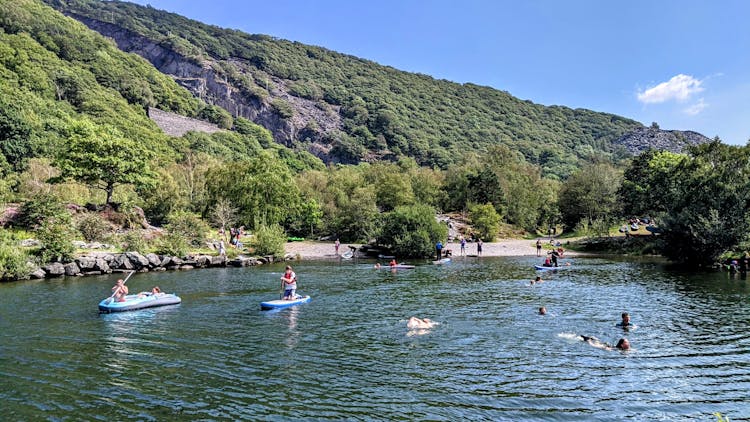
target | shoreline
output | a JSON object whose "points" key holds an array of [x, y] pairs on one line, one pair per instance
{"points": [[316, 250]]}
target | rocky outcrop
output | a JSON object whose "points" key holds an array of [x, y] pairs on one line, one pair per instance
{"points": [[97, 263], [644, 138], [308, 124]]}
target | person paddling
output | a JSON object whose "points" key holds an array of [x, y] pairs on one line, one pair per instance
{"points": [[120, 290], [289, 283]]}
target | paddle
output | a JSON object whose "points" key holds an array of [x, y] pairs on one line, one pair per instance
{"points": [[109, 299]]}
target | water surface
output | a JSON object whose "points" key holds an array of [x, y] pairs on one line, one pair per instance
{"points": [[348, 354]]}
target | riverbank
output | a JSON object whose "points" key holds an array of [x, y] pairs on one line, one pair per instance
{"points": [[506, 247]]}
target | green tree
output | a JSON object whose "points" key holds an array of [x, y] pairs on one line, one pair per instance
{"points": [[485, 220], [102, 158], [269, 240], [590, 193], [411, 231]]}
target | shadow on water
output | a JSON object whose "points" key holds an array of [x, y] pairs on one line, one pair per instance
{"points": [[348, 354]]}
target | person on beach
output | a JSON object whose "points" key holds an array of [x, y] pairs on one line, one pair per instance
{"points": [[336, 246], [463, 246], [539, 247], [479, 247], [120, 290], [439, 249], [289, 283]]}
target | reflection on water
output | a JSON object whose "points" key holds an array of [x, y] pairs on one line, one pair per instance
{"points": [[348, 354]]}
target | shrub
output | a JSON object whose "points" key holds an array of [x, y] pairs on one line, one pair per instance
{"points": [[173, 244], [14, 261], [485, 220], [412, 230], [57, 241], [93, 227], [269, 240], [189, 226], [37, 210], [134, 241]]}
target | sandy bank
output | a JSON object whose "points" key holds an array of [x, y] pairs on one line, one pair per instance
{"points": [[507, 247]]}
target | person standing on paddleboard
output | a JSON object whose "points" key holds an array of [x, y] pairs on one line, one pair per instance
{"points": [[289, 282]]}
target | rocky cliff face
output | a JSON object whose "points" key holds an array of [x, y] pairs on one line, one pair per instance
{"points": [[644, 138], [308, 125]]}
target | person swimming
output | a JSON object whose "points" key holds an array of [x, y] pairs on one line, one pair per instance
{"points": [[625, 321], [542, 311], [622, 344], [415, 323]]}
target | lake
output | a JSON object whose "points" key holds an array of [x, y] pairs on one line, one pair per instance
{"points": [[348, 355]]}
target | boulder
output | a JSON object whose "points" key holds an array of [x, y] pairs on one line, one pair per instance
{"points": [[153, 260], [102, 265], [54, 269], [218, 261], [72, 269], [38, 274], [86, 263], [139, 261]]}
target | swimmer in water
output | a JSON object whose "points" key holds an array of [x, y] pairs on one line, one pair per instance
{"points": [[415, 323], [622, 344], [625, 323], [542, 311], [537, 280]]}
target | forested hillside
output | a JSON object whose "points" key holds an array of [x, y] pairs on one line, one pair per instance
{"points": [[346, 109]]}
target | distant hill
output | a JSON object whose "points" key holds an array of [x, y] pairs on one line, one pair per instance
{"points": [[347, 109]]}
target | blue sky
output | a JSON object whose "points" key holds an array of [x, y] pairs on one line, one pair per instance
{"points": [[683, 64]]}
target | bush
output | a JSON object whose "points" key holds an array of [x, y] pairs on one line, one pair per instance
{"points": [[57, 241], [37, 210], [485, 220], [14, 261], [189, 226], [173, 244], [93, 227], [412, 231], [269, 240], [134, 241]]}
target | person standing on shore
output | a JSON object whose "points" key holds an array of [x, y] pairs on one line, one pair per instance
{"points": [[439, 249], [336, 246], [463, 246], [479, 247], [539, 247]]}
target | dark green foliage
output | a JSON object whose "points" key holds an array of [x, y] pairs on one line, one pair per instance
{"points": [[268, 240], [485, 220], [383, 109], [189, 226], [102, 158], [412, 231], [701, 200], [93, 227], [14, 261], [172, 244], [590, 194], [37, 210], [133, 241], [217, 115], [56, 236]]}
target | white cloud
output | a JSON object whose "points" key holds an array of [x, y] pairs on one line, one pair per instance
{"points": [[679, 88], [695, 108]]}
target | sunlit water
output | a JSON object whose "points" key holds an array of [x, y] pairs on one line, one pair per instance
{"points": [[348, 354]]}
